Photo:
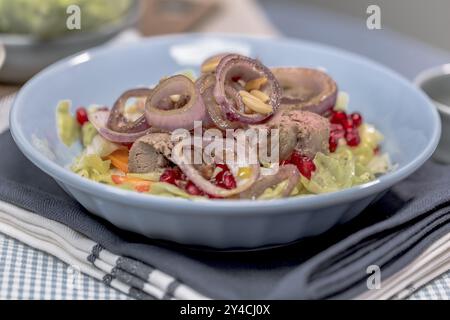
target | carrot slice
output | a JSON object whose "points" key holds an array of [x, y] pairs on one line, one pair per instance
{"points": [[138, 184], [119, 159], [142, 186], [118, 179]]}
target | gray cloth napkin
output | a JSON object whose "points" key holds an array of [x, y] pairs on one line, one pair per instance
{"points": [[389, 234]]}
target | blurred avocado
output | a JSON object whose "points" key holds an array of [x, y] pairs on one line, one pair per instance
{"points": [[46, 19]]}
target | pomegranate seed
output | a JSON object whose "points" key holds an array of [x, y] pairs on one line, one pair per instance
{"points": [[304, 164], [338, 117], [227, 181], [224, 178], [307, 167], [338, 135], [128, 145], [296, 158], [357, 119], [337, 131], [222, 166], [334, 127], [333, 143], [353, 138], [348, 124], [219, 176], [192, 189], [236, 78], [82, 116], [376, 150], [230, 182], [170, 176]]}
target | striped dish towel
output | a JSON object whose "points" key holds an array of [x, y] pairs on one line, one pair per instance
{"points": [[432, 263], [138, 280]]}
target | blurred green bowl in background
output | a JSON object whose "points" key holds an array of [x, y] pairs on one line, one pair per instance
{"points": [[35, 33]]}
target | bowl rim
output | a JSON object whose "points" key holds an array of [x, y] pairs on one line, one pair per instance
{"points": [[66, 176]]}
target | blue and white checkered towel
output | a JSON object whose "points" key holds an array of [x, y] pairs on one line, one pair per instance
{"points": [[127, 275]]}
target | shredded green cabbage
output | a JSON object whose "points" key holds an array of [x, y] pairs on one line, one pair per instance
{"points": [[342, 101], [274, 192], [93, 167], [169, 190], [88, 132], [380, 164], [101, 147], [370, 140], [333, 173], [349, 166], [66, 124], [151, 176]]}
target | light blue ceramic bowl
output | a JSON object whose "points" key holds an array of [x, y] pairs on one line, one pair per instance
{"points": [[403, 113]]}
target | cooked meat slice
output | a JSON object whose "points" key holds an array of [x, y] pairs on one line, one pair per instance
{"points": [[304, 131], [150, 153], [288, 141], [313, 132]]}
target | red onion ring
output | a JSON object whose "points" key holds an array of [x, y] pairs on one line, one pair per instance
{"points": [[287, 172], [99, 120], [192, 173], [247, 69], [193, 110], [117, 121], [205, 85], [306, 89]]}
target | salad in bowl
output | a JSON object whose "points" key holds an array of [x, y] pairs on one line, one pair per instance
{"points": [[192, 158], [239, 130]]}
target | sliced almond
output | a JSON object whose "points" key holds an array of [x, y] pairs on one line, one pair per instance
{"points": [[175, 97], [247, 110], [255, 104], [255, 84], [210, 66], [241, 82], [244, 93], [260, 95]]}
